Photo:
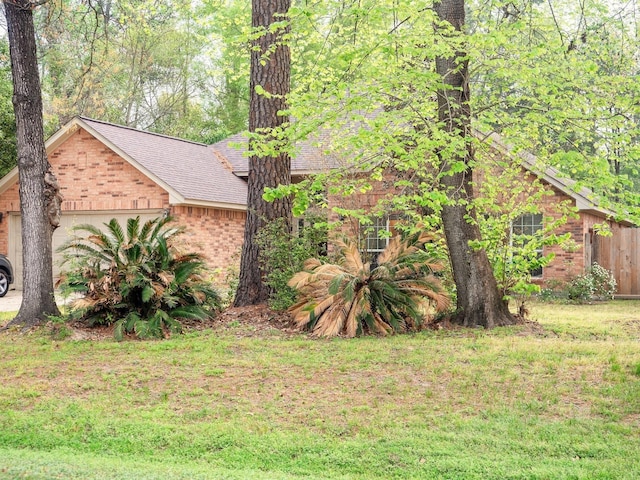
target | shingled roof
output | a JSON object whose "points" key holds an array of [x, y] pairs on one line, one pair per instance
{"points": [[188, 170], [309, 158], [199, 174]]}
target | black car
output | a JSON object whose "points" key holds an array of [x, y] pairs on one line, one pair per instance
{"points": [[6, 275]]}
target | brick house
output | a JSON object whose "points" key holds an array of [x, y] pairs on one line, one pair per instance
{"points": [[108, 171], [560, 190]]}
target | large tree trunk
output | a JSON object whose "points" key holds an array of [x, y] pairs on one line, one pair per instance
{"points": [[479, 302], [39, 192], [270, 69]]}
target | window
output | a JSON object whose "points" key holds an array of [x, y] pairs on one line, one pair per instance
{"points": [[522, 228], [377, 237]]}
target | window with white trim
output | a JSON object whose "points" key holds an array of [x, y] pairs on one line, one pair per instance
{"points": [[525, 226], [377, 236]]}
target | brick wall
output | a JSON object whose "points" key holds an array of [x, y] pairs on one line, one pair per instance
{"points": [[93, 177], [216, 233], [374, 200], [567, 262]]}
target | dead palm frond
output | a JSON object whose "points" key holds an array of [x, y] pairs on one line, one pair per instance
{"points": [[350, 298], [136, 277]]}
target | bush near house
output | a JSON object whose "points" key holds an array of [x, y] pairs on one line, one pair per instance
{"points": [[137, 279], [283, 253], [597, 283], [352, 298]]}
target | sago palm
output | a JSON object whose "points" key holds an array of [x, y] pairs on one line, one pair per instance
{"points": [[350, 298], [137, 279]]}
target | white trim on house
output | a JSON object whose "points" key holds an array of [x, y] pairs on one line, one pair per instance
{"points": [[203, 203], [8, 180]]}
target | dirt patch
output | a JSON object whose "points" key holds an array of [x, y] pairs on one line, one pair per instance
{"points": [[531, 327], [632, 327], [251, 321], [257, 320]]}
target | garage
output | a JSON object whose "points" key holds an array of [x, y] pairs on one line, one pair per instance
{"points": [[67, 221]]}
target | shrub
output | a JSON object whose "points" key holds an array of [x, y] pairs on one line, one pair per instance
{"points": [[350, 298], [598, 282], [604, 284], [282, 254], [580, 288], [138, 280]]}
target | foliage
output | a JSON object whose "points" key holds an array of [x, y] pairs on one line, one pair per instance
{"points": [[604, 283], [570, 101], [137, 279], [580, 288], [226, 280], [282, 254], [597, 282], [8, 149], [351, 298], [144, 64], [374, 86], [507, 193]]}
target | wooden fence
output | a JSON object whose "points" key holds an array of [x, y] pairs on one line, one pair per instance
{"points": [[620, 253]]}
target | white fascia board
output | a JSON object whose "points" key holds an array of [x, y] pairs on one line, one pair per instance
{"points": [[205, 204]]}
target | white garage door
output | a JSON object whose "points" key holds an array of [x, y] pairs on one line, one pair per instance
{"points": [[63, 232]]}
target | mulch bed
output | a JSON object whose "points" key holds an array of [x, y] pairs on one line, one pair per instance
{"points": [[250, 321]]}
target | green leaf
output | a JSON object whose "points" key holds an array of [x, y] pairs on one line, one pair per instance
{"points": [[147, 293]]}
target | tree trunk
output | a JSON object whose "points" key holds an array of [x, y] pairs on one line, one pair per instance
{"points": [[270, 70], [39, 192], [479, 302]]}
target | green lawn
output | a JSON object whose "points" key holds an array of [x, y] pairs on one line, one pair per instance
{"points": [[559, 400]]}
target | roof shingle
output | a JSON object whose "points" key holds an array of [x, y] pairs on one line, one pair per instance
{"points": [[310, 158], [190, 168]]}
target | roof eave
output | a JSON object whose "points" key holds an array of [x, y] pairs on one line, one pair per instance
{"points": [[190, 202], [8, 180], [605, 214], [62, 135]]}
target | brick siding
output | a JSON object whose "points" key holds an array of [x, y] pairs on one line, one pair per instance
{"points": [[566, 264], [93, 177], [216, 233]]}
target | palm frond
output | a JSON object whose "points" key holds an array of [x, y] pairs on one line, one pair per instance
{"points": [[114, 228], [133, 229], [138, 277], [350, 299]]}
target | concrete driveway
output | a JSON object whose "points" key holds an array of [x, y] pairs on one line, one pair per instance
{"points": [[11, 301]]}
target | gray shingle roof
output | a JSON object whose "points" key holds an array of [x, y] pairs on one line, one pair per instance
{"points": [[202, 173], [189, 168], [309, 159]]}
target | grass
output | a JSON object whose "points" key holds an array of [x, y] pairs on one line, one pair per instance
{"points": [[559, 401]]}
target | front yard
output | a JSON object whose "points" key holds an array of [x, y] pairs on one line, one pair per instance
{"points": [[555, 399]]}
